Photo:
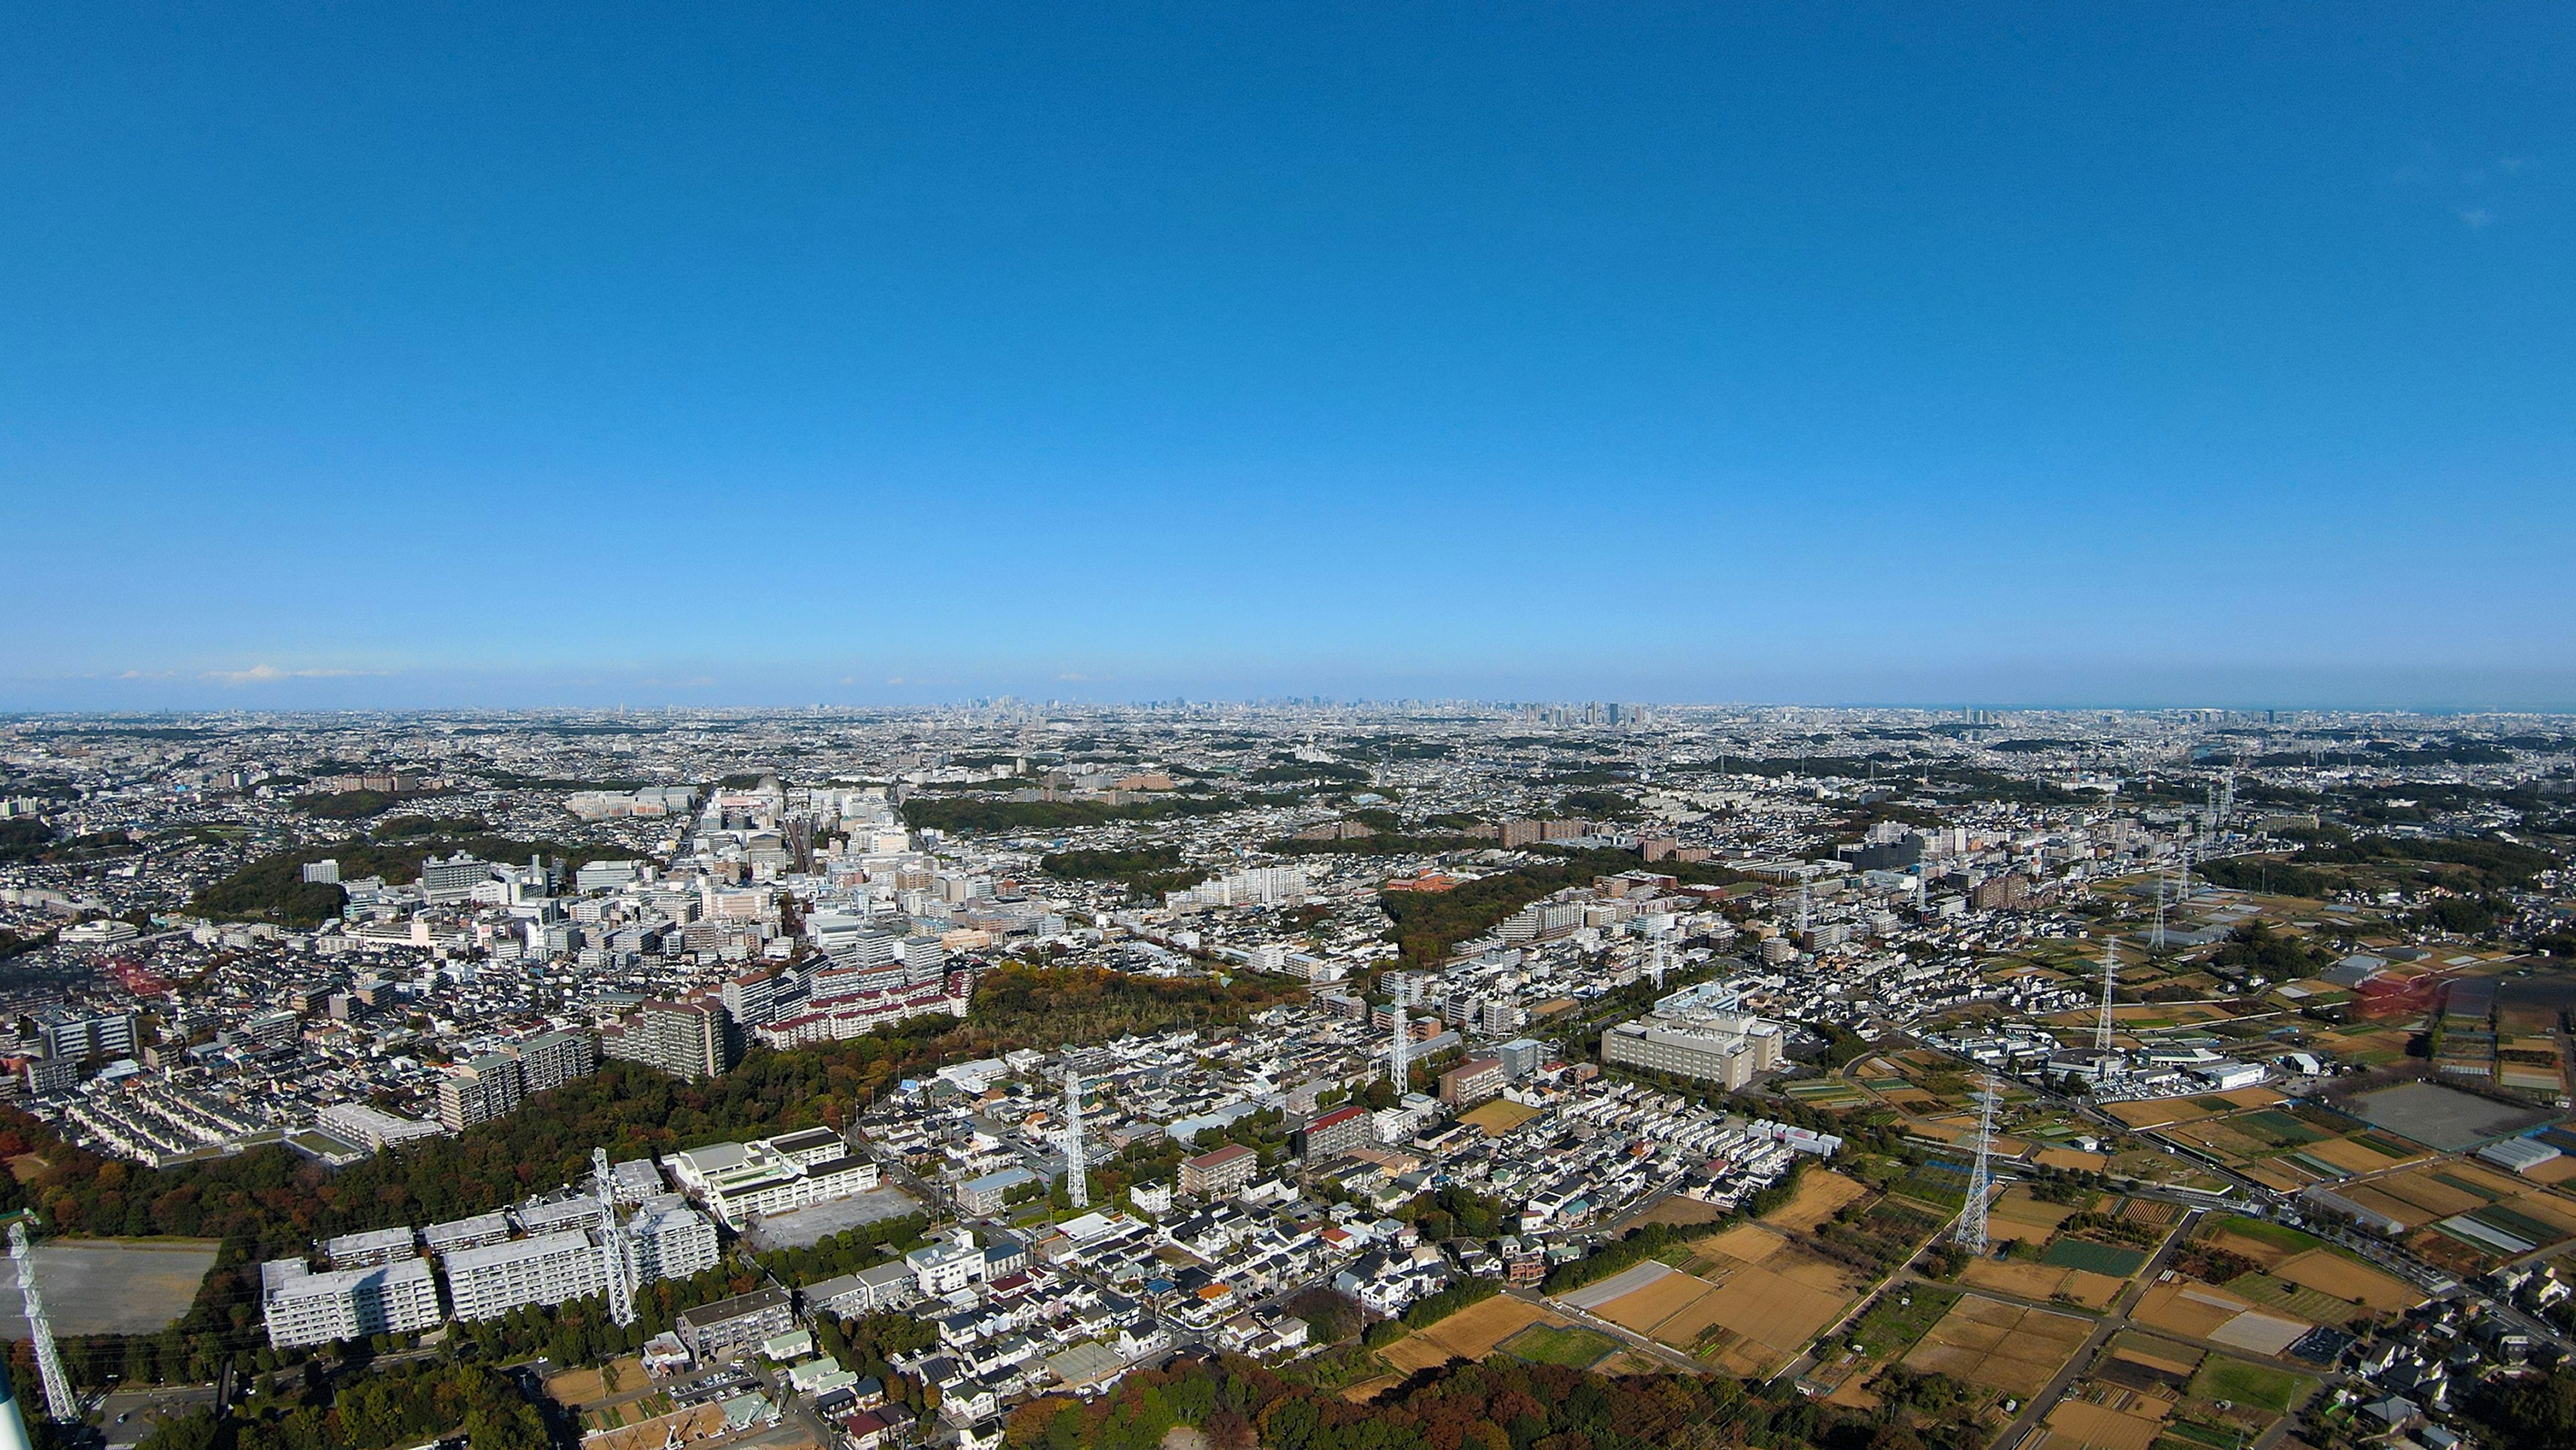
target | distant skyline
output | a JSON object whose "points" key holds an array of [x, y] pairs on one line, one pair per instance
{"points": [[546, 355]]}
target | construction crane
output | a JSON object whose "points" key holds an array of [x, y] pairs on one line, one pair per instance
{"points": [[49, 1362], [617, 1266]]}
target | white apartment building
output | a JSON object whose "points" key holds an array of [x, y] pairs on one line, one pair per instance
{"points": [[488, 1282], [306, 1308], [361, 1126], [670, 1240]]}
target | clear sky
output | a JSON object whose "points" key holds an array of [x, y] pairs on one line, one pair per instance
{"points": [[736, 354]]}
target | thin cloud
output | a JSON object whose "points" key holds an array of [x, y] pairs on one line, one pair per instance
{"points": [[265, 674]]}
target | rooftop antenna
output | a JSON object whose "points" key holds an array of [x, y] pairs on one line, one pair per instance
{"points": [[1077, 1173], [2110, 974], [617, 1270], [59, 1401], [1971, 1232]]}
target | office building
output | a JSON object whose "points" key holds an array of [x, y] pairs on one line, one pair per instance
{"points": [[1725, 1048]]}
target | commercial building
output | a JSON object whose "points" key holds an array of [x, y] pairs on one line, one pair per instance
{"points": [[554, 1268], [1224, 1171], [304, 1308], [1721, 1047]]}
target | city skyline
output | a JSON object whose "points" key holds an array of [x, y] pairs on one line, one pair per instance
{"points": [[1827, 356]]}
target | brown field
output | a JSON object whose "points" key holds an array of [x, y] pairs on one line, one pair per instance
{"points": [[580, 1387], [1643, 1309], [1746, 1243], [1497, 1117], [2265, 1256], [2279, 1177], [1682, 1212], [1770, 1309], [1998, 1346], [2159, 1112], [2083, 1425], [2074, 1158], [2377, 1202], [2189, 1308], [1471, 1333], [2043, 1281], [2556, 1170], [2349, 1156], [2328, 1272], [2019, 1208], [2433, 1199], [1367, 1390], [1821, 1194], [2553, 1209]]}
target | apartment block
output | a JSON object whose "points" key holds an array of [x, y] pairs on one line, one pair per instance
{"points": [[305, 1308], [488, 1282]]}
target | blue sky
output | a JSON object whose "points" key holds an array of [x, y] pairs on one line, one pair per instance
{"points": [[420, 355]]}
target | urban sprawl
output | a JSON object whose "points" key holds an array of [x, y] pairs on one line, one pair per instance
{"points": [[2170, 1080]]}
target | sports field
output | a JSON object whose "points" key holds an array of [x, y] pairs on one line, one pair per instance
{"points": [[112, 1286]]}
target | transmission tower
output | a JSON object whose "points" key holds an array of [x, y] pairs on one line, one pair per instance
{"points": [[1077, 1173], [1397, 1064], [49, 1363], [617, 1268], [1971, 1232], [2110, 974], [2156, 939]]}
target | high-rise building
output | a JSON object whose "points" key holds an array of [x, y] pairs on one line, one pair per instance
{"points": [[692, 1038]]}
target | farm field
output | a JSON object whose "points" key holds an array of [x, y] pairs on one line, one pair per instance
{"points": [[1821, 1193], [1574, 1348], [1471, 1333], [1747, 1298], [2042, 1281], [1997, 1346], [2204, 1311]]}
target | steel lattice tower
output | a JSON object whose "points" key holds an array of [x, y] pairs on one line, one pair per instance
{"points": [[1077, 1172], [59, 1399], [617, 1266], [1398, 1058], [2110, 974], [1971, 1232]]}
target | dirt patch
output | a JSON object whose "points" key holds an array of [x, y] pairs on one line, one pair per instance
{"points": [[1682, 1212], [1745, 1244]]}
